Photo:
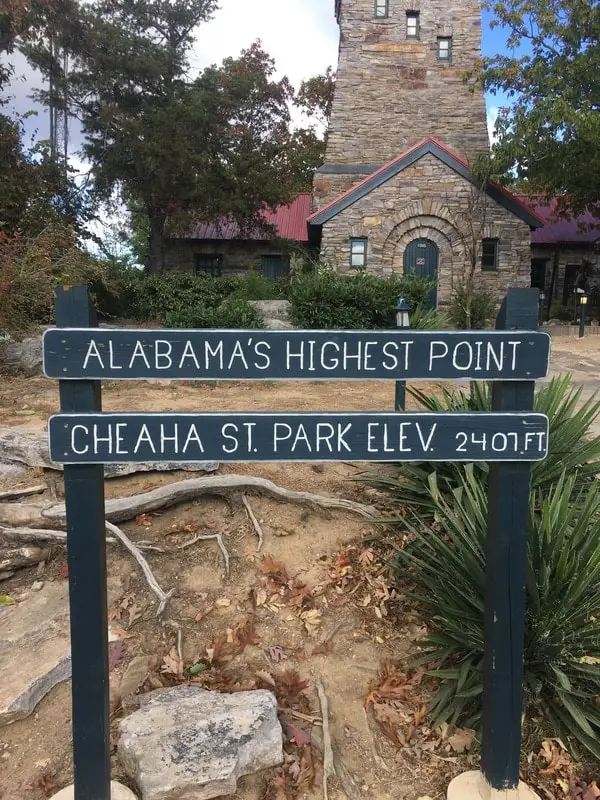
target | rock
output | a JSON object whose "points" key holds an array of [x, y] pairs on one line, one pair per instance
{"points": [[133, 677], [29, 446], [34, 650], [117, 792], [273, 309], [188, 742], [8, 470], [277, 325], [23, 356]]}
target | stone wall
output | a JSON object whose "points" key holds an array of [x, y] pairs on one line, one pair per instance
{"points": [[392, 91], [237, 256], [429, 200]]}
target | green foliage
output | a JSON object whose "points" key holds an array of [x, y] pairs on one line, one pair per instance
{"points": [[176, 296], [446, 570], [550, 130], [482, 309], [235, 312], [571, 445], [324, 298], [30, 269]]}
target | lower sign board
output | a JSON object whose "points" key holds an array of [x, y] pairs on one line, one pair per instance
{"points": [[123, 438]]}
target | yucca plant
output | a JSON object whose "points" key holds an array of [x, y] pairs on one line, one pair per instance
{"points": [[446, 575], [573, 447]]}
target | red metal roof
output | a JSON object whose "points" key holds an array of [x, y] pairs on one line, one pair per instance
{"points": [[559, 230], [290, 222]]}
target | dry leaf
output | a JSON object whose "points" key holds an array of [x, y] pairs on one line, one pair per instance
{"points": [[555, 756], [171, 664], [6, 600], [275, 570], [322, 648], [116, 653], [366, 557], [276, 653], [260, 597], [115, 634], [312, 620], [135, 612], [144, 519], [296, 734], [64, 570], [223, 602], [266, 677], [461, 740]]}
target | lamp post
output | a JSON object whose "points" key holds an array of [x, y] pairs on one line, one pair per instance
{"points": [[583, 298], [402, 321], [542, 301]]}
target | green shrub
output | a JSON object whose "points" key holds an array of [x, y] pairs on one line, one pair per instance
{"points": [[562, 648], [232, 313], [483, 308], [325, 299], [571, 445]]}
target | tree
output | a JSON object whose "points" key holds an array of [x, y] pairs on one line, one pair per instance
{"points": [[315, 97], [549, 135], [177, 147]]}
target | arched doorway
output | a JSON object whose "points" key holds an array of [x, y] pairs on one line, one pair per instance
{"points": [[421, 258]]}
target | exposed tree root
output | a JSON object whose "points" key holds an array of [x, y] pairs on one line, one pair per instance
{"points": [[255, 523], [126, 508], [204, 537]]}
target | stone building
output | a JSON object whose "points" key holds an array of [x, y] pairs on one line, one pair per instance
{"points": [[396, 192]]}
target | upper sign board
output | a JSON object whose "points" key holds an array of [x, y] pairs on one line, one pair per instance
{"points": [[73, 353]]}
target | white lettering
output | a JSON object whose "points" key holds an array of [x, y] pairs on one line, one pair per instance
{"points": [[193, 436], [371, 437], [138, 352], [280, 438], [301, 436], [188, 352], [456, 354], [393, 364], [92, 352], [425, 443], [174, 438], [111, 358], [325, 433], [119, 438], [238, 352], [167, 362], [260, 354], [249, 429], [514, 346], [368, 357], [210, 353], [352, 356], [232, 436], [102, 439], [492, 355], [144, 436], [433, 355], [311, 356], [290, 355], [340, 437], [335, 362], [403, 438], [86, 433]]}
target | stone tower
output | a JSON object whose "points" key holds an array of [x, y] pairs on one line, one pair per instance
{"points": [[399, 81]]}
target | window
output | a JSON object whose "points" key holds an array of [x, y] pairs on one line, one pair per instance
{"points": [[274, 266], [489, 255], [444, 49], [381, 8], [412, 24], [208, 263], [358, 253]]}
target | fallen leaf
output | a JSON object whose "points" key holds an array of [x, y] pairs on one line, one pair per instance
{"points": [[135, 612], [312, 620], [296, 734], [261, 597], [171, 665], [24, 412], [366, 557], [275, 570], [42, 764], [461, 740], [116, 653], [555, 756], [223, 602], [322, 648], [64, 570], [276, 653], [144, 519], [114, 634], [6, 600], [266, 677]]}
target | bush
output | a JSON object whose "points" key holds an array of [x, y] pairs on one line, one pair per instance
{"points": [[30, 269], [155, 297], [483, 309], [325, 299], [232, 313], [571, 446], [562, 647]]}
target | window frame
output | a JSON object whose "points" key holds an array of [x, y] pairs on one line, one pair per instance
{"points": [[215, 271], [489, 267], [416, 15], [444, 59], [365, 242], [377, 7]]}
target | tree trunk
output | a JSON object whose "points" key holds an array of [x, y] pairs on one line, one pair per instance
{"points": [[156, 243]]}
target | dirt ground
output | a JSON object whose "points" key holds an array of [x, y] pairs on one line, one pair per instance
{"points": [[317, 584]]}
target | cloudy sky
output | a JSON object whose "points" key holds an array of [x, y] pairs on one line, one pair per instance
{"points": [[301, 35]]}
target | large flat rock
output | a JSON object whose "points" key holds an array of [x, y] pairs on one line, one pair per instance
{"points": [[117, 792], [24, 445], [189, 743], [35, 651]]}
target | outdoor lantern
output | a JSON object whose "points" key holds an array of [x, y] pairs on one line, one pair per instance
{"points": [[402, 313], [583, 298], [542, 295]]}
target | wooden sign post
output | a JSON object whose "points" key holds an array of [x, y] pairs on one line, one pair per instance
{"points": [[83, 438]]}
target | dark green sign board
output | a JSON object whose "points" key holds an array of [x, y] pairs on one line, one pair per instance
{"points": [[295, 355], [123, 438]]}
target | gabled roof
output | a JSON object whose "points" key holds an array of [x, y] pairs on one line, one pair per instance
{"points": [[427, 146], [289, 223]]}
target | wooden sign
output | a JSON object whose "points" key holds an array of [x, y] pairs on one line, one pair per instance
{"points": [[122, 438], [295, 355]]}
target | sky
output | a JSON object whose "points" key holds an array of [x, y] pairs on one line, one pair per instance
{"points": [[301, 35]]}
